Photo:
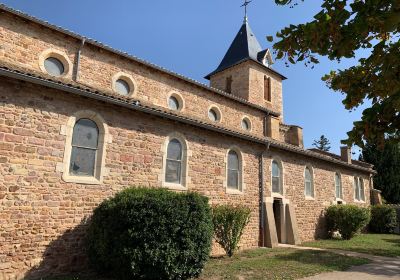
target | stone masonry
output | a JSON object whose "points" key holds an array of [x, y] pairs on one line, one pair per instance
{"points": [[43, 217]]}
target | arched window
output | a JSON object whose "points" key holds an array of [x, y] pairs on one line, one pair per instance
{"points": [[173, 170], [359, 194], [234, 170], [338, 186], [85, 140], [276, 177], [308, 182]]}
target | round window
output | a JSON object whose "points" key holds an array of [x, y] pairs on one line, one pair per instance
{"points": [[173, 103], [246, 124], [122, 87], [54, 66], [212, 115]]}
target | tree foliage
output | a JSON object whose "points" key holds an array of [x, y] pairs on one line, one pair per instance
{"points": [[145, 233], [322, 144], [340, 29], [387, 164], [229, 222]]}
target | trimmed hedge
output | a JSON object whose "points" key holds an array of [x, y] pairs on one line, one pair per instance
{"points": [[383, 219], [347, 219], [229, 222], [151, 234]]}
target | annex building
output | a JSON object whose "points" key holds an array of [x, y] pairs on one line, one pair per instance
{"points": [[80, 121]]}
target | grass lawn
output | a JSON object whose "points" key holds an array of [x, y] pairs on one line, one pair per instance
{"points": [[267, 264], [276, 264], [375, 244]]}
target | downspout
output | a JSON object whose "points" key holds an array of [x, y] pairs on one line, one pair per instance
{"points": [[78, 60], [262, 186]]}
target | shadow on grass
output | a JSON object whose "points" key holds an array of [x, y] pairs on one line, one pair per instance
{"points": [[327, 260]]}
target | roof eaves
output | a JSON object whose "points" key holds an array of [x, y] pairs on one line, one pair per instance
{"points": [[134, 58], [135, 105]]}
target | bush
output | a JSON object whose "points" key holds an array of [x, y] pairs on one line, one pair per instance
{"points": [[383, 219], [347, 219], [229, 223], [151, 234]]}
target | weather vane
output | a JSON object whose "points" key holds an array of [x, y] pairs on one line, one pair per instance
{"points": [[245, 4]]}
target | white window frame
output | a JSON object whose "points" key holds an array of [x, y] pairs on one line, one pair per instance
{"points": [[340, 198], [312, 197], [357, 181], [281, 178]]}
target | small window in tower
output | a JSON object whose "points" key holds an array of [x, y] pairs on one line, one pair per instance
{"points": [[267, 88], [228, 86]]}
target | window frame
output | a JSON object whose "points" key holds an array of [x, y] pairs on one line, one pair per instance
{"points": [[179, 98], [340, 198], [241, 185], [267, 85], [311, 170], [359, 189], [185, 157], [216, 109], [59, 55], [249, 124], [133, 86], [281, 177], [104, 138]]}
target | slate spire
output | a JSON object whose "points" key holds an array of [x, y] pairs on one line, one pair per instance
{"points": [[245, 46]]}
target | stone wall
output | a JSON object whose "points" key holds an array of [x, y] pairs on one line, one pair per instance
{"points": [[23, 44], [248, 83], [43, 217]]}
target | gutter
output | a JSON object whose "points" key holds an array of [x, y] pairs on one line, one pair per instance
{"points": [[4, 8], [135, 105]]}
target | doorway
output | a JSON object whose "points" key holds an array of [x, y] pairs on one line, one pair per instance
{"points": [[277, 208]]}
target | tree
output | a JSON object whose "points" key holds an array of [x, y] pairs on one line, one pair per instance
{"points": [[340, 29], [322, 144], [387, 164]]}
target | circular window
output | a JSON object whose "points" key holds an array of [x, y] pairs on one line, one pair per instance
{"points": [[54, 66], [173, 103], [246, 124], [122, 87], [214, 114]]}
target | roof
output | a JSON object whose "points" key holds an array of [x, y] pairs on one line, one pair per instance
{"points": [[135, 59], [335, 156], [78, 89], [244, 47]]}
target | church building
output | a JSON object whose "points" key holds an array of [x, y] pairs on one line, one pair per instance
{"points": [[81, 121]]}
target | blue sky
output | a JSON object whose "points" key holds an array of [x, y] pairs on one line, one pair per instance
{"points": [[191, 37]]}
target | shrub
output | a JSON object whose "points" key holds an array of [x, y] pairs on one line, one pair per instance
{"points": [[151, 234], [347, 219], [229, 223], [383, 219]]}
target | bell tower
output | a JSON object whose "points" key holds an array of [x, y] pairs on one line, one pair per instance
{"points": [[246, 72]]}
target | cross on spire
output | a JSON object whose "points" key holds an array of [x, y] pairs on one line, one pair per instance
{"points": [[245, 4]]}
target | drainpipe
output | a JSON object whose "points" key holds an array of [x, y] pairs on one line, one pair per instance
{"points": [[78, 60], [262, 187]]}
